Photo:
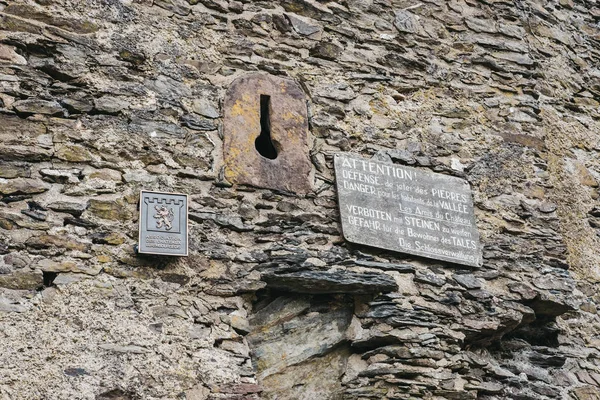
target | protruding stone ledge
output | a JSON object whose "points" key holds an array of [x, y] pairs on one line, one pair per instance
{"points": [[401, 268], [321, 282]]}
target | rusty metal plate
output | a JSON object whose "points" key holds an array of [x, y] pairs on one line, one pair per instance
{"points": [[247, 101]]}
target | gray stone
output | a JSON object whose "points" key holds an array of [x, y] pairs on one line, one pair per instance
{"points": [[232, 222], [73, 153], [289, 342], [205, 108], [407, 22], [525, 291], [467, 281], [68, 207], [481, 25], [404, 156], [22, 280], [8, 55], [553, 282], [198, 124], [179, 7], [169, 88], [279, 310], [156, 129], [47, 265], [75, 105], [305, 26], [22, 186], [514, 57], [330, 282], [15, 170], [430, 278], [35, 214], [24, 153], [61, 175], [110, 104], [7, 305], [338, 91], [515, 31], [38, 106], [547, 207], [402, 268], [314, 378], [548, 304], [328, 51]]}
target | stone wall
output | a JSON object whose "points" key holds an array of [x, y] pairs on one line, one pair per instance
{"points": [[102, 98]]}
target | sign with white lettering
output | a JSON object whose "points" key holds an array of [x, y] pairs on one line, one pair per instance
{"points": [[407, 209], [163, 224]]}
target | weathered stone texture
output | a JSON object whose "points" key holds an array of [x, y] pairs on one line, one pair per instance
{"points": [[99, 99]]}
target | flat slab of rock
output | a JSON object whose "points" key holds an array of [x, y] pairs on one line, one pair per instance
{"points": [[22, 186], [320, 282], [402, 268], [37, 106], [283, 335]]}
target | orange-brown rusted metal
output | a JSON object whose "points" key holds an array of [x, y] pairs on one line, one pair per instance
{"points": [[291, 170]]}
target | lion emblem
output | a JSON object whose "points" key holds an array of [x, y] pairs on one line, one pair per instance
{"points": [[164, 216]]}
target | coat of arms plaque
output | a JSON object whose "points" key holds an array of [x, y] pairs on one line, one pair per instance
{"points": [[163, 224]]}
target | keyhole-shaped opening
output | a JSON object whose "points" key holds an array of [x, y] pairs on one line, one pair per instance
{"points": [[263, 143]]}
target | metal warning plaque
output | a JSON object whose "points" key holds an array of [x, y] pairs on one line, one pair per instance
{"points": [[407, 210], [163, 224]]}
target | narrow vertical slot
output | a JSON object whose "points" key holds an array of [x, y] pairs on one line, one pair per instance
{"points": [[263, 143]]}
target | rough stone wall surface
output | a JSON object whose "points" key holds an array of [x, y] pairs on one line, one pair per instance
{"points": [[102, 98]]}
